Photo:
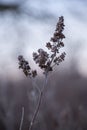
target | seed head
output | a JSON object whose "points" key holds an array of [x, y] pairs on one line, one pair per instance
{"points": [[24, 65], [45, 60]]}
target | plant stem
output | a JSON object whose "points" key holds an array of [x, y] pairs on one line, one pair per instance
{"points": [[38, 105], [22, 117], [34, 84]]}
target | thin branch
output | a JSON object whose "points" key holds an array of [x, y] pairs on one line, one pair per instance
{"points": [[39, 103], [22, 118], [35, 84]]}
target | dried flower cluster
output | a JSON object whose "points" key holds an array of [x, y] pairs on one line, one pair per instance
{"points": [[47, 61], [24, 65], [42, 58]]}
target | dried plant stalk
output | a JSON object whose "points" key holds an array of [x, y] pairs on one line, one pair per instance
{"points": [[46, 61], [22, 118]]}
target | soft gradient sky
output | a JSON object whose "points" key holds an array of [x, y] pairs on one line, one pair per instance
{"points": [[29, 28]]}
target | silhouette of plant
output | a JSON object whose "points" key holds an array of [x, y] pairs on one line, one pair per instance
{"points": [[46, 61]]}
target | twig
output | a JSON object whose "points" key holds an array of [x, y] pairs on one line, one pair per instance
{"points": [[22, 117], [35, 84], [38, 105]]}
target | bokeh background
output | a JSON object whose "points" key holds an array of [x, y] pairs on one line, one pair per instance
{"points": [[26, 26]]}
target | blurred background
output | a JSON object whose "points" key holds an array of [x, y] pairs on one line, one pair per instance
{"points": [[26, 26]]}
